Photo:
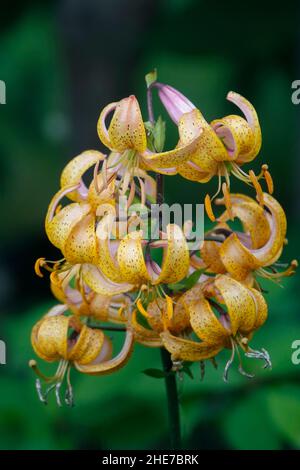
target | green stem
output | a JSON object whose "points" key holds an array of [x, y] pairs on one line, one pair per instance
{"points": [[170, 378], [172, 400]]}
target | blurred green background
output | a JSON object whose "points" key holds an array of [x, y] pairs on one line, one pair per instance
{"points": [[62, 62]]}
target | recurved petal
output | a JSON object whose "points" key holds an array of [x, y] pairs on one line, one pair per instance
{"points": [[58, 226], [188, 350], [87, 346], [237, 259], [210, 149], [131, 259], [277, 222], [101, 125], [252, 216], [239, 302], [51, 337], [172, 158], [75, 169], [54, 356], [81, 244], [127, 130], [205, 323], [261, 308], [108, 366], [100, 284], [235, 134], [253, 122], [176, 258]]}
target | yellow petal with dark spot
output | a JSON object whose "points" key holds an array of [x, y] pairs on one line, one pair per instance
{"points": [[100, 284], [127, 130], [131, 259], [75, 169], [239, 302], [111, 365], [176, 258], [81, 244], [205, 323], [188, 350]]}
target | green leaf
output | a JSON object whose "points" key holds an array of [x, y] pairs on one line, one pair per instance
{"points": [[188, 282], [159, 134], [151, 77], [155, 373]]}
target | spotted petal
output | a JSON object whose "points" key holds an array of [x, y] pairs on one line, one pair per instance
{"points": [[100, 367], [131, 259], [239, 302], [126, 130], [188, 350], [100, 284], [81, 244], [176, 257], [205, 323], [74, 171]]}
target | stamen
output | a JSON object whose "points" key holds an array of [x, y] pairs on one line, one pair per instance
{"points": [[240, 368], [55, 381], [69, 398], [263, 354], [229, 362], [57, 395], [277, 276], [208, 208], [169, 307], [43, 263], [176, 365], [257, 187], [143, 191], [131, 193], [227, 200], [268, 178], [38, 387], [142, 310]]}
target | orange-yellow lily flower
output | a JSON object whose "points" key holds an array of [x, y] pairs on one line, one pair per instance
{"points": [[57, 337], [246, 311], [259, 245], [126, 135], [225, 145]]}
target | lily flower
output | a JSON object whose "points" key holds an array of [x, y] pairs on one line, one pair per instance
{"points": [[233, 327], [73, 228], [226, 143], [57, 337], [126, 136], [258, 247], [70, 290]]}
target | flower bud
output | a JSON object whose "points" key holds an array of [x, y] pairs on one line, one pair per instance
{"points": [[175, 102]]}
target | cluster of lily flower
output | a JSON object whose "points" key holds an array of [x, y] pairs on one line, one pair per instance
{"points": [[110, 276]]}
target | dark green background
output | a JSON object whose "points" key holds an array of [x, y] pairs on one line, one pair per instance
{"points": [[62, 62]]}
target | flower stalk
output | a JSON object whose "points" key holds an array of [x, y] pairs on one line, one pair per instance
{"points": [[167, 364]]}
